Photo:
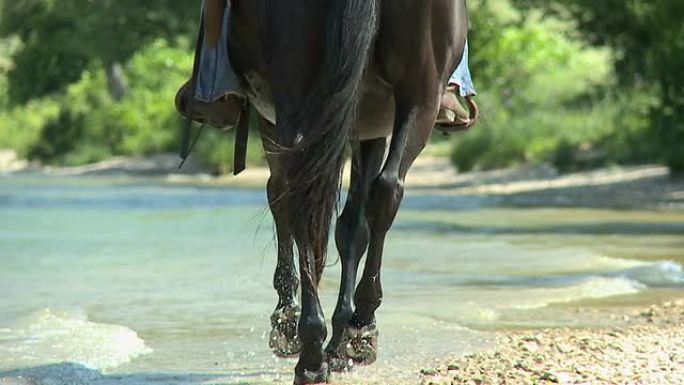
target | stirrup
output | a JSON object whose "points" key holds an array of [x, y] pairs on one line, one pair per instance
{"points": [[453, 123]]}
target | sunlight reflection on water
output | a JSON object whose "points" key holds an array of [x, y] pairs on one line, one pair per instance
{"points": [[177, 279]]}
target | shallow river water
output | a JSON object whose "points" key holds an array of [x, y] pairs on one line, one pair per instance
{"points": [[135, 281]]}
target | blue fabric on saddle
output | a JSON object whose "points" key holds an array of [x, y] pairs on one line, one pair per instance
{"points": [[462, 77], [216, 78]]}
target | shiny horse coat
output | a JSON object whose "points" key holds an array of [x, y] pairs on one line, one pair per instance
{"points": [[326, 76]]}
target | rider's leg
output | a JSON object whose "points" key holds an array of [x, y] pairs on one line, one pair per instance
{"points": [[452, 115], [218, 98], [212, 23], [462, 77]]}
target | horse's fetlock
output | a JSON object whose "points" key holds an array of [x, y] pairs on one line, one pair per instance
{"points": [[312, 328], [342, 315], [386, 182]]}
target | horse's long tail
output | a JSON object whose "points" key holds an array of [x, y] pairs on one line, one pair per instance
{"points": [[326, 122]]}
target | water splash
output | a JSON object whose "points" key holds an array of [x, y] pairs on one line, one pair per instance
{"points": [[50, 336]]}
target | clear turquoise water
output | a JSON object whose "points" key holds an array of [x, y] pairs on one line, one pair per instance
{"points": [[131, 278]]}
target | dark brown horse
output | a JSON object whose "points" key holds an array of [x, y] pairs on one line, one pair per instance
{"points": [[326, 75]]}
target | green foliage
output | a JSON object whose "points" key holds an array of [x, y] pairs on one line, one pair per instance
{"points": [[216, 149], [86, 125], [144, 122], [63, 38], [7, 49], [546, 95], [55, 105], [538, 91], [20, 127], [648, 36], [58, 138]]}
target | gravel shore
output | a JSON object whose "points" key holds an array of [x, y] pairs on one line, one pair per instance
{"points": [[644, 348]]}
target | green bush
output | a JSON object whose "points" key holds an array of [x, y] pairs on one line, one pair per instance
{"points": [[58, 138], [216, 149], [20, 127], [86, 125], [144, 121], [544, 93]]}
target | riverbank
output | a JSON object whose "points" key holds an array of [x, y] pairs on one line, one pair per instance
{"points": [[643, 347], [645, 187]]}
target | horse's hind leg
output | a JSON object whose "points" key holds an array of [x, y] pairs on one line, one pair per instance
{"points": [[312, 367], [351, 235], [294, 331], [412, 130], [284, 340]]}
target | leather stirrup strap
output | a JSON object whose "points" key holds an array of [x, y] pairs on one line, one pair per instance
{"points": [[187, 126], [241, 140]]}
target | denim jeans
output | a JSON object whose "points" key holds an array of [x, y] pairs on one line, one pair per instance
{"points": [[462, 77], [215, 77]]}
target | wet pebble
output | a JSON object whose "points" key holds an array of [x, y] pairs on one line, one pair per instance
{"points": [[649, 349]]}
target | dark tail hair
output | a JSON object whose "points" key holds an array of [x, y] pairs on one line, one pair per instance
{"points": [[326, 122]]}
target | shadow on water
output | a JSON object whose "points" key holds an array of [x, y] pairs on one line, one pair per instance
{"points": [[626, 189], [603, 228], [69, 373]]}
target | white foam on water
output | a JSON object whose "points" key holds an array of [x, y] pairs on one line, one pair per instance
{"points": [[633, 278], [49, 337], [590, 288], [658, 274]]}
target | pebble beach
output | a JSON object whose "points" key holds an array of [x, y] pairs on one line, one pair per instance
{"points": [[646, 347]]}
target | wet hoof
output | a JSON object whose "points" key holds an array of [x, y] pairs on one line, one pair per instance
{"points": [[308, 377], [284, 341], [339, 363], [358, 347]]}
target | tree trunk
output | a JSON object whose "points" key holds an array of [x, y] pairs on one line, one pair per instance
{"points": [[116, 81]]}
